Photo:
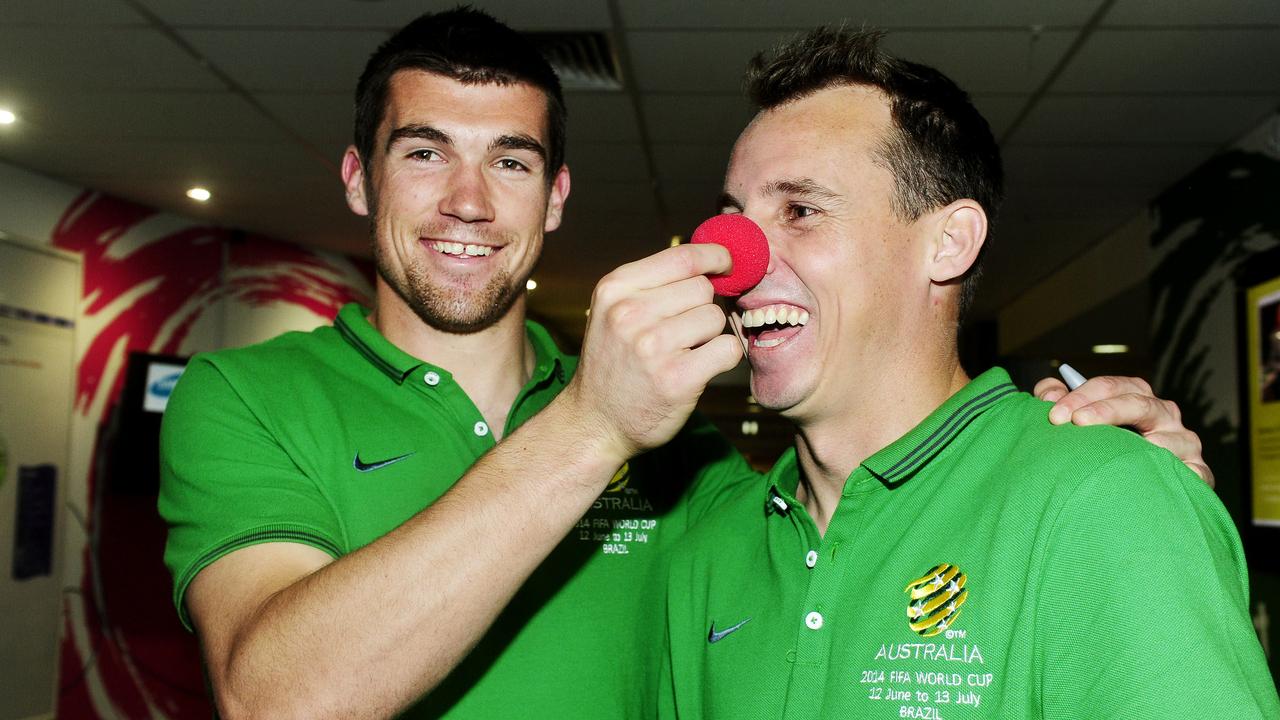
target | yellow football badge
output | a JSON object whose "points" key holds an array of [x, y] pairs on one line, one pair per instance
{"points": [[620, 479], [936, 598]]}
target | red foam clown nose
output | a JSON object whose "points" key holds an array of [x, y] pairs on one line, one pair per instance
{"points": [[747, 246]]}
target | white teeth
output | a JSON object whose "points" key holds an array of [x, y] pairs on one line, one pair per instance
{"points": [[456, 248], [774, 314], [767, 343]]}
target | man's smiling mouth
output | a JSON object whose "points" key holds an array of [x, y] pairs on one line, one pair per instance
{"points": [[457, 249], [772, 325]]}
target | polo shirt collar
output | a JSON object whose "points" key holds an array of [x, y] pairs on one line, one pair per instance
{"points": [[900, 460], [353, 324]]}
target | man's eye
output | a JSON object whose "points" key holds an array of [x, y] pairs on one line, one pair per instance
{"points": [[799, 212], [424, 155], [511, 164]]}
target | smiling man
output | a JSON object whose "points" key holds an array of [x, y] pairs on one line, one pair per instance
{"points": [[349, 538], [932, 547]]}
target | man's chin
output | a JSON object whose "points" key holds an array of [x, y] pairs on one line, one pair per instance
{"points": [[773, 392], [463, 320]]}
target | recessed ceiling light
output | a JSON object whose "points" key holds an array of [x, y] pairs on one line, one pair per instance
{"points": [[1116, 349], [199, 194], [531, 284], [7, 117]]}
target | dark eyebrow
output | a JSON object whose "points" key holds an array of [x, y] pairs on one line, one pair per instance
{"points": [[803, 187], [519, 142], [727, 200], [420, 132]]}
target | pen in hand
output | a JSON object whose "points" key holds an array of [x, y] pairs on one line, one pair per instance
{"points": [[1069, 375]]}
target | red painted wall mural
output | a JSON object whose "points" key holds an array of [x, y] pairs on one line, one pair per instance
{"points": [[158, 284]]}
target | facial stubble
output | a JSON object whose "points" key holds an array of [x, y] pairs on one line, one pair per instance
{"points": [[449, 308]]}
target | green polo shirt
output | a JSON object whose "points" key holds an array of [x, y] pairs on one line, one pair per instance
{"points": [[333, 438], [985, 565]]}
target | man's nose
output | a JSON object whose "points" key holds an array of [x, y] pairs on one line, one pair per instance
{"points": [[467, 197]]}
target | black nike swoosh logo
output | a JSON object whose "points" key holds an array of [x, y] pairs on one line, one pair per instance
{"points": [[367, 467], [714, 637]]}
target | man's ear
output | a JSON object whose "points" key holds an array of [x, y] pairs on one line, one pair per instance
{"points": [[959, 234], [555, 199], [353, 179]]}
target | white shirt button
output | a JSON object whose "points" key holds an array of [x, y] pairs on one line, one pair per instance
{"points": [[432, 378], [481, 429], [813, 620], [811, 558]]}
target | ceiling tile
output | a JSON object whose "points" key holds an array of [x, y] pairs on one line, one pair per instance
{"points": [[1085, 166], [1193, 12], [384, 14], [881, 13], [69, 12], [601, 118], [688, 119], [662, 61], [1176, 61], [67, 59], [607, 162], [289, 60], [1000, 110], [986, 61], [979, 61], [702, 163], [1141, 120], [325, 119], [214, 164], [103, 115]]}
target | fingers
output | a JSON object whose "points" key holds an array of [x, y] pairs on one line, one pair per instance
{"points": [[719, 355], [1050, 389], [1130, 402], [1094, 390], [1184, 444], [1204, 472], [690, 329], [1143, 413], [675, 298], [655, 338], [664, 268]]}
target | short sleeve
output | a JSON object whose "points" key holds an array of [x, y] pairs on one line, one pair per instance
{"points": [[226, 483], [1143, 606]]}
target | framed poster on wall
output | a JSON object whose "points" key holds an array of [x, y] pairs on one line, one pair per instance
{"points": [[1260, 386]]}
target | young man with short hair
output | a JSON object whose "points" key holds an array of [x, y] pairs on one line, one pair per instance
{"points": [[932, 547]]}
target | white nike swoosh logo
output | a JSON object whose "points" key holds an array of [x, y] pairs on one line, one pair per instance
{"points": [[715, 637]]}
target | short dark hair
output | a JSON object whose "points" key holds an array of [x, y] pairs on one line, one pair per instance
{"points": [[942, 150], [468, 46]]}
